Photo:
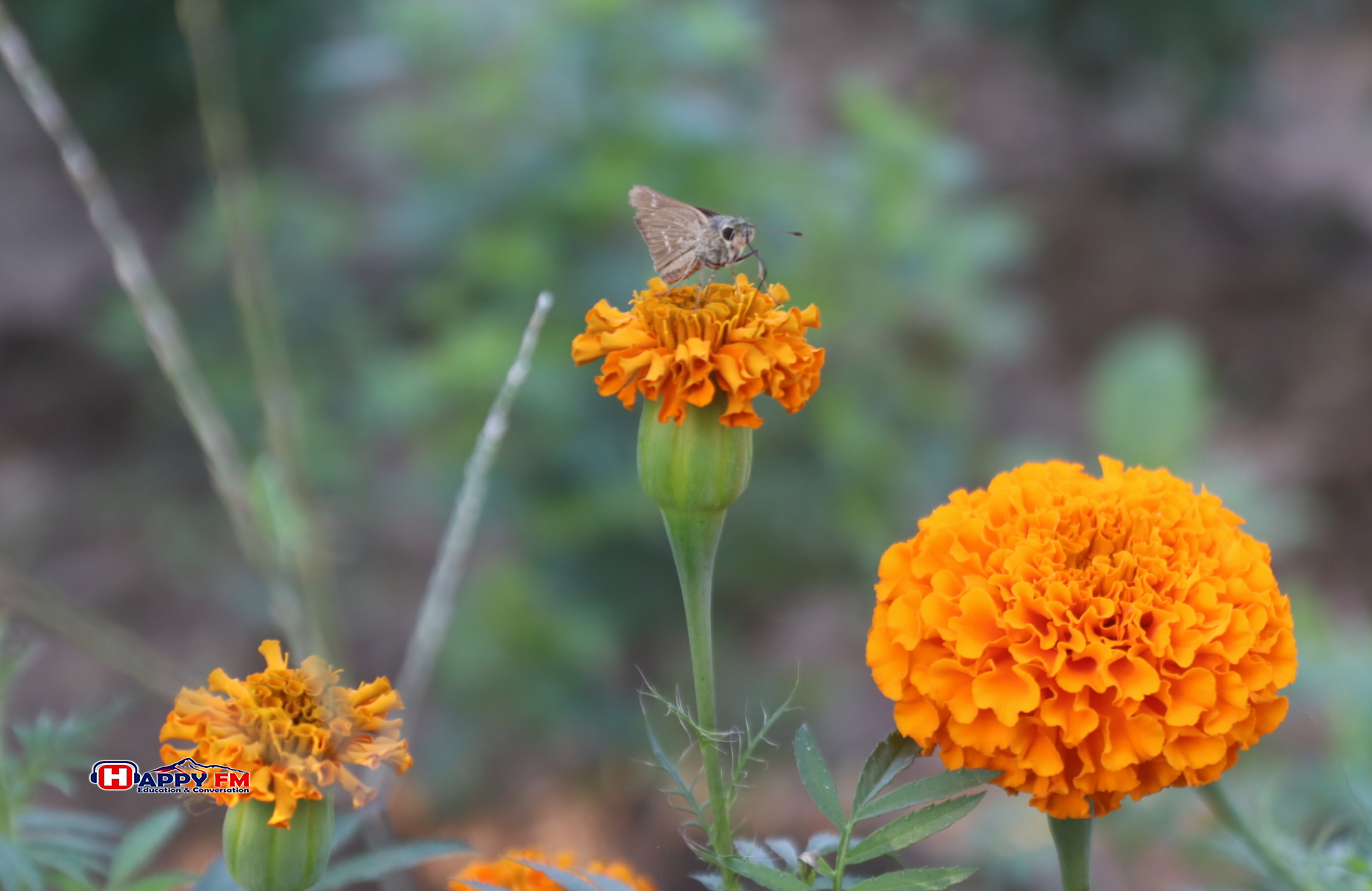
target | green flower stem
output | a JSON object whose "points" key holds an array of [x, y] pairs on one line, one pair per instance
{"points": [[1229, 818], [1073, 841], [695, 538], [694, 470]]}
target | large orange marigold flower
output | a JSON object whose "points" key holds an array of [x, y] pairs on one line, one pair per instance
{"points": [[292, 729], [739, 340], [1092, 638], [506, 873]]}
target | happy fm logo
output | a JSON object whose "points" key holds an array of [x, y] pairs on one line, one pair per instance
{"points": [[186, 775]]}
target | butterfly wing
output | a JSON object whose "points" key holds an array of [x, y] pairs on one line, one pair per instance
{"points": [[672, 230]]}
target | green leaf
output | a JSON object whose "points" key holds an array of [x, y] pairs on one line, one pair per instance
{"points": [[766, 876], [682, 790], [374, 864], [934, 788], [905, 831], [892, 755], [569, 881], [143, 841], [915, 880], [814, 773], [158, 881], [17, 871]]}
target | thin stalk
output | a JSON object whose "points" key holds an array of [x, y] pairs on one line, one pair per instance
{"points": [[1073, 841], [161, 325], [695, 539], [1229, 818], [237, 189], [431, 624]]}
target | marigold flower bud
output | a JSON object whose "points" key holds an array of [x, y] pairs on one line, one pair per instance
{"points": [[261, 857], [698, 466]]}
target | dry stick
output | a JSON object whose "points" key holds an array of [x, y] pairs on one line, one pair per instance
{"points": [[160, 323], [431, 625], [110, 643], [236, 190]]}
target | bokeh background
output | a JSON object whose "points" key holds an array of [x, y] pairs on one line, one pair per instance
{"points": [[1035, 228]]}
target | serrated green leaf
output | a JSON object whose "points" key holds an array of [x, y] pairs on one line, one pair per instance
{"points": [[158, 881], [767, 876], [905, 831], [915, 880], [142, 842], [892, 755], [374, 864], [814, 773], [934, 788]]}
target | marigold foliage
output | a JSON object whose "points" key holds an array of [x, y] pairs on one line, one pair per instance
{"points": [[506, 873], [1092, 638], [740, 340], [292, 729]]}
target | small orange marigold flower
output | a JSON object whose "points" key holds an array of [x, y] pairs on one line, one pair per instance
{"points": [[740, 340], [292, 729], [506, 873], [1092, 638]]}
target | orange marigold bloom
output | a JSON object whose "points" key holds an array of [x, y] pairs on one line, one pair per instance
{"points": [[740, 340], [506, 873], [292, 729], [1092, 638]]}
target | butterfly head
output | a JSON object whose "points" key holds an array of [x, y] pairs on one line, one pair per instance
{"points": [[735, 232]]}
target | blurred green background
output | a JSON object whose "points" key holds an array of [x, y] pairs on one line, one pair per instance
{"points": [[1035, 228]]}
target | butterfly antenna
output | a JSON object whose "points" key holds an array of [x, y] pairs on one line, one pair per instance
{"points": [[782, 231]]}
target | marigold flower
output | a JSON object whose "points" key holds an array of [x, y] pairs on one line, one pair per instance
{"points": [[740, 340], [506, 873], [1092, 638], [292, 729]]}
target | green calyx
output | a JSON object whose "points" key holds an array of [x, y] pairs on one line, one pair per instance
{"points": [[697, 466], [265, 858]]}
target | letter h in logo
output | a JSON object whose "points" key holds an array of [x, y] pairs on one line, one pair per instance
{"points": [[114, 776]]}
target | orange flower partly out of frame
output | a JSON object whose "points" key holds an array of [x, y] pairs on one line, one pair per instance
{"points": [[740, 341], [1092, 638], [506, 873], [292, 729]]}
